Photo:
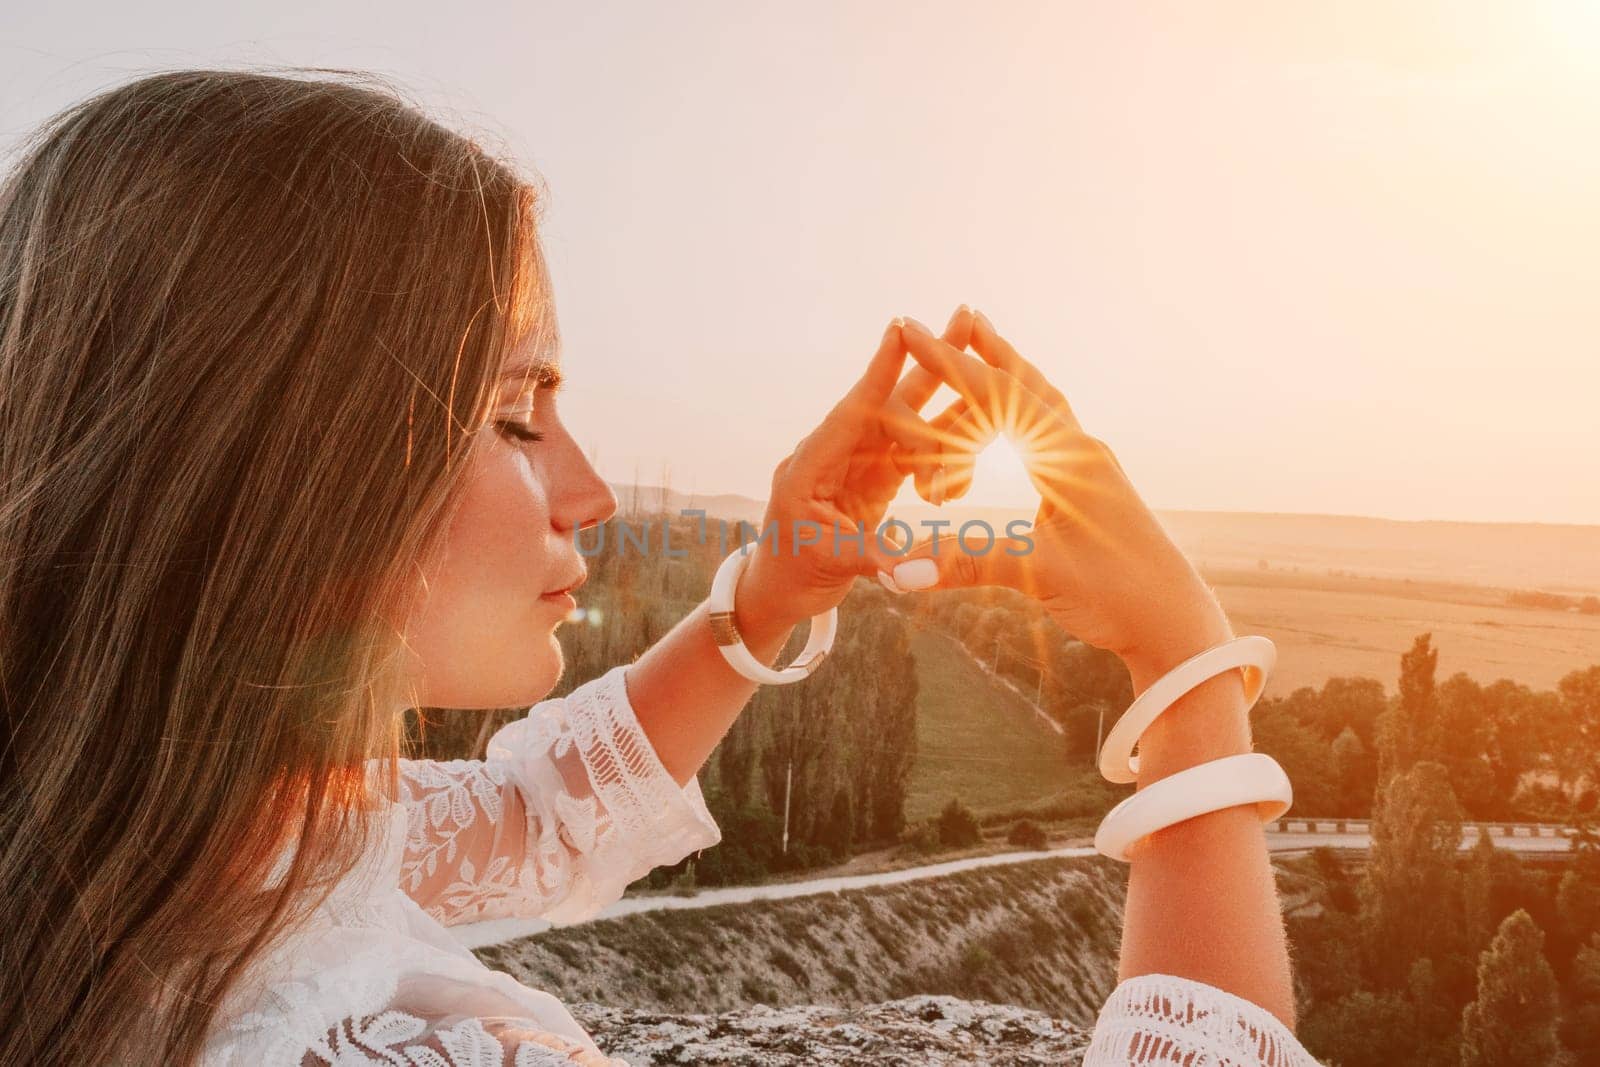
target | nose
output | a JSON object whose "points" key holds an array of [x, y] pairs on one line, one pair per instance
{"points": [[582, 497]]}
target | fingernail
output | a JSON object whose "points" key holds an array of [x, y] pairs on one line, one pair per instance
{"points": [[887, 582], [912, 324], [899, 322], [916, 574], [981, 317]]}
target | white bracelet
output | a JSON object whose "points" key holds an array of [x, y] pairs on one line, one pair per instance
{"points": [[1255, 656], [1247, 778], [733, 648]]}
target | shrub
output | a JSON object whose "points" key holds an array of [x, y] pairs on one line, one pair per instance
{"points": [[924, 837], [1025, 833], [958, 827]]}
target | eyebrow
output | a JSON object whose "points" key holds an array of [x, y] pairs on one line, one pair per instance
{"points": [[547, 375]]}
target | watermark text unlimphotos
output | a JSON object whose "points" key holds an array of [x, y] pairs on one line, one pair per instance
{"points": [[974, 537]]}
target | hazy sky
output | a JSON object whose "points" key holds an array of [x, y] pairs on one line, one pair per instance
{"points": [[1283, 257]]}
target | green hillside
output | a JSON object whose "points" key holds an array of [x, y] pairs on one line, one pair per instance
{"points": [[978, 741]]}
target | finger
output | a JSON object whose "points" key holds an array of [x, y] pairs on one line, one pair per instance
{"points": [[961, 434], [987, 388], [1043, 437], [831, 443], [954, 561], [913, 444], [913, 450], [884, 369], [969, 433], [998, 352], [919, 384]]}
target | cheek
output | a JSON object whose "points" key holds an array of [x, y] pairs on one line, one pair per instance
{"points": [[498, 538], [486, 585]]}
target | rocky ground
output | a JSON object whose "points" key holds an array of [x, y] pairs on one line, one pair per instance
{"points": [[999, 965], [926, 1030]]}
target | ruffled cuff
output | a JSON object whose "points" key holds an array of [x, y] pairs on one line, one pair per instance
{"points": [[1167, 1019], [647, 819]]}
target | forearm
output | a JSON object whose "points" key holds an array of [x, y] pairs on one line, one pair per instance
{"points": [[1202, 902], [686, 695]]}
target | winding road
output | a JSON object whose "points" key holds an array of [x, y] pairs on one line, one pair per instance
{"points": [[1524, 838]]}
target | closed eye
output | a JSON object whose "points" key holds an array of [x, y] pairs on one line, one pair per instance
{"points": [[519, 431]]}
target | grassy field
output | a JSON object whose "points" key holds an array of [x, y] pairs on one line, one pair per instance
{"points": [[1326, 625], [977, 741]]}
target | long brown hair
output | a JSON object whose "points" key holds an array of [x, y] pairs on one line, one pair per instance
{"points": [[248, 323]]}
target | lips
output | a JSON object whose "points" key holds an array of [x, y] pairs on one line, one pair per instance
{"points": [[582, 577]]}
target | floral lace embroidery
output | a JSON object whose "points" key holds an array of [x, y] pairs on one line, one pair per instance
{"points": [[397, 1037], [449, 797], [1167, 1019], [570, 805]]}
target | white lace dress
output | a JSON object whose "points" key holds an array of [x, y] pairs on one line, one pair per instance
{"points": [[568, 808]]}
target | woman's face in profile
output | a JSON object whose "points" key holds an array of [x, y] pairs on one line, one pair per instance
{"points": [[483, 635]]}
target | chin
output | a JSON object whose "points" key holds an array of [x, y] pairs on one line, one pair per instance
{"points": [[552, 664]]}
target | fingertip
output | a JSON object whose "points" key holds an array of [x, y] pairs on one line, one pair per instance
{"points": [[916, 574]]}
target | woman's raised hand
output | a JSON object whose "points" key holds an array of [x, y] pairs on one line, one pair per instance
{"points": [[1096, 556], [846, 472]]}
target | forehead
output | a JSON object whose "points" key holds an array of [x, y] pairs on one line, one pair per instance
{"points": [[531, 373], [535, 363]]}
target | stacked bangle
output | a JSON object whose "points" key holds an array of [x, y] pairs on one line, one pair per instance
{"points": [[1254, 656], [1247, 778], [732, 645]]}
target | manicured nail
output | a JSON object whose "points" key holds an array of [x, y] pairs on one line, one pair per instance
{"points": [[898, 323], [915, 326], [916, 574], [887, 581], [981, 317]]}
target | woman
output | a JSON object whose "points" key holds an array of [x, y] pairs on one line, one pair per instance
{"points": [[281, 459]]}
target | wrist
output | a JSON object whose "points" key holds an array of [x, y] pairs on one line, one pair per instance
{"points": [[1167, 645], [1206, 723], [763, 618]]}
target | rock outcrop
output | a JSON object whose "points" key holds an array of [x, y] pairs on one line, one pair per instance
{"points": [[926, 1031]]}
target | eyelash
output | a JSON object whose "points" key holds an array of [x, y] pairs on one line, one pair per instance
{"points": [[517, 430]]}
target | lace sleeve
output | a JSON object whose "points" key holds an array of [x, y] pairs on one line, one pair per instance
{"points": [[569, 806], [397, 1037], [1165, 1019]]}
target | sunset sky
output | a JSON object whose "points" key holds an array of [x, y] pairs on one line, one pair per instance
{"points": [[1334, 258]]}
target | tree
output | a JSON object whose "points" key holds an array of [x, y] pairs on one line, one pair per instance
{"points": [[1514, 1020], [838, 831], [1581, 1028], [1280, 733], [1361, 1029], [1577, 905], [1355, 703], [1416, 831], [1435, 1031], [1477, 893], [1405, 728], [1580, 700], [1354, 774]]}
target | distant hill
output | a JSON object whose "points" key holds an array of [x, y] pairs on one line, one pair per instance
{"points": [[1554, 557]]}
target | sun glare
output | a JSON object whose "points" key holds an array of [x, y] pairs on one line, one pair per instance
{"points": [[1000, 476]]}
